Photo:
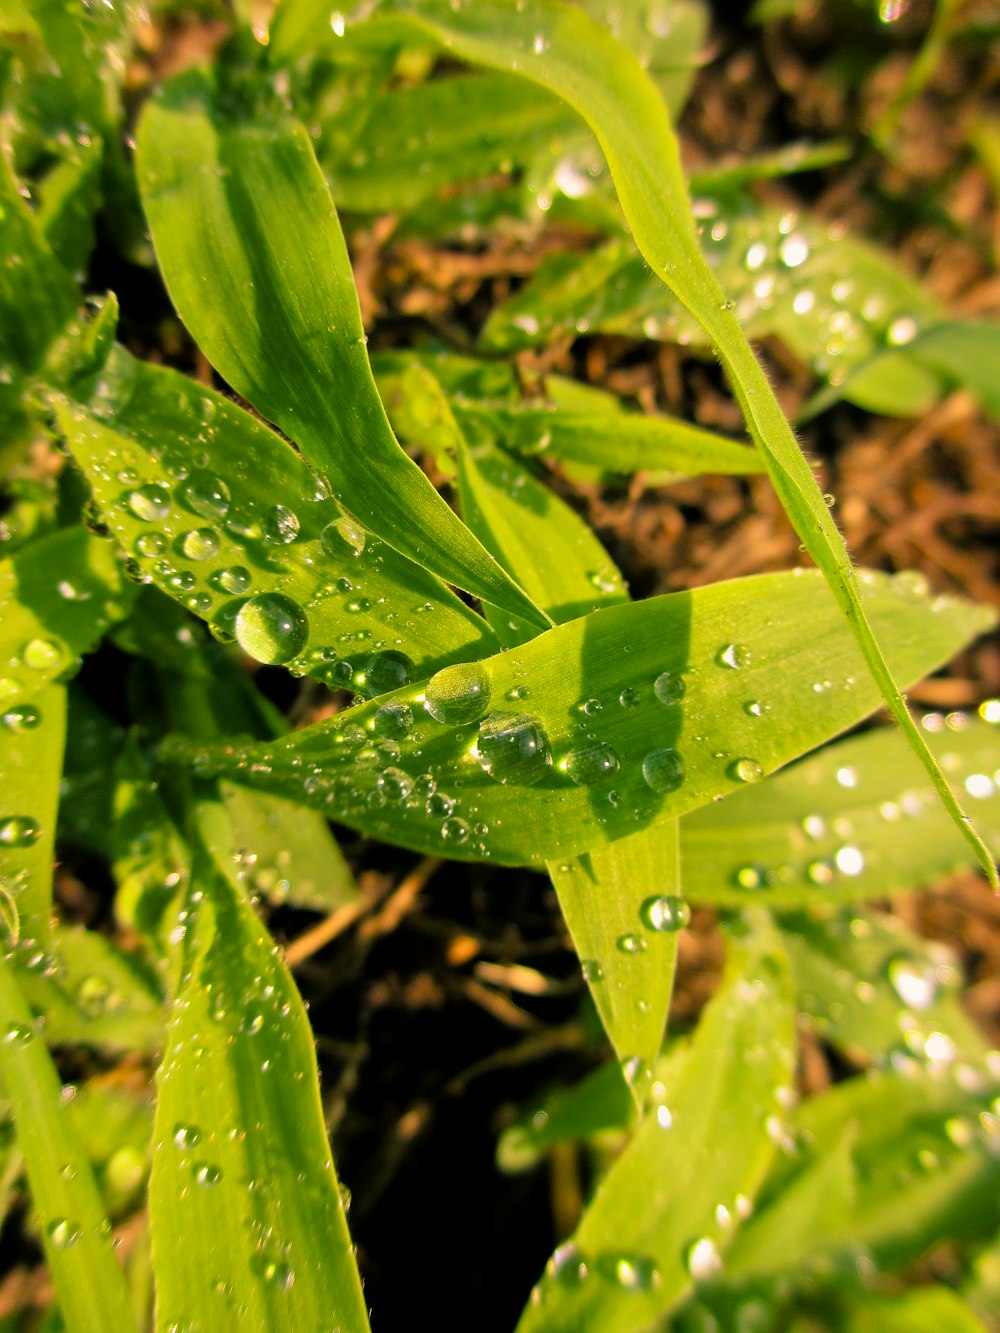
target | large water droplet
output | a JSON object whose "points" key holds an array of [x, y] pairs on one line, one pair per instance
{"points": [[663, 770], [745, 770], [666, 912], [280, 526], [236, 579], [458, 694], [669, 687], [272, 628], [591, 765], [514, 749], [387, 671], [150, 503], [42, 654], [150, 544], [200, 544], [206, 494], [733, 656], [393, 720], [342, 533]]}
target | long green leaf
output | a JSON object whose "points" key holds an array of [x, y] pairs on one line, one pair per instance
{"points": [[252, 526], [248, 1224], [75, 1231], [669, 1205], [57, 597], [856, 821], [601, 726], [32, 738], [558, 47], [249, 243]]}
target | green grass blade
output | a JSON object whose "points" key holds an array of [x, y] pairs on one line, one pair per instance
{"points": [[57, 597], [214, 538], [656, 1225], [75, 1231], [559, 48], [247, 1220], [728, 709], [251, 249], [32, 738], [854, 822]]}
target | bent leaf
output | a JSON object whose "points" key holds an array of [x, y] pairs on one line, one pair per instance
{"points": [[248, 1227], [647, 701], [252, 252]]}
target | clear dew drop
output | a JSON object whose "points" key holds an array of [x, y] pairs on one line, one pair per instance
{"points": [[592, 765], [280, 1275], [271, 628], [666, 912], [663, 770], [669, 687], [387, 671], [566, 1266], [514, 749], [733, 656], [17, 1034], [635, 1272], [200, 544], [42, 654], [702, 1260], [342, 533], [455, 831], [20, 718], [394, 721], [631, 944], [234, 579], [19, 831], [745, 770], [207, 1174], [458, 694], [629, 698], [150, 544], [63, 1234], [206, 494], [394, 784], [186, 1136], [280, 526], [150, 503], [916, 985]]}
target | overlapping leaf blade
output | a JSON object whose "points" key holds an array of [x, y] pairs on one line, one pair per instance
{"points": [[854, 822], [747, 704], [252, 252], [213, 536]]}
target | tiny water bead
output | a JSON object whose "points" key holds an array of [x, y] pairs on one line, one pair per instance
{"points": [[19, 831], [514, 749], [733, 656], [745, 770], [341, 535], [667, 912], [150, 503], [669, 687], [206, 494], [387, 671], [458, 694], [280, 526], [663, 770], [22, 717], [271, 628], [592, 765], [234, 579], [200, 543]]}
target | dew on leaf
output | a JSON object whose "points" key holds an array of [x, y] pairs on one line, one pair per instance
{"points": [[745, 770], [666, 912], [206, 494], [234, 579], [387, 671], [514, 749], [271, 628], [280, 525], [19, 831], [150, 503], [733, 656], [663, 770], [458, 694], [21, 717], [591, 765], [669, 687], [42, 654], [343, 534], [150, 544], [63, 1234], [200, 544]]}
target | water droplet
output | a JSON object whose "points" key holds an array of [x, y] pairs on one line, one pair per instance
{"points": [[236, 579], [200, 544], [902, 331], [850, 861], [387, 671], [42, 654], [280, 526], [635, 1272], [150, 544], [592, 971], [753, 708], [847, 777], [630, 944], [567, 1266], [629, 698], [591, 765], [751, 877], [702, 1260], [916, 986], [279, 1275], [663, 770], [186, 1136], [207, 1175], [17, 1034], [63, 1234], [666, 912], [393, 720], [455, 830], [271, 628], [150, 503], [514, 749], [733, 656], [794, 250], [206, 494], [342, 532], [458, 694], [745, 770], [394, 784], [669, 687], [92, 996], [22, 717], [19, 831]]}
